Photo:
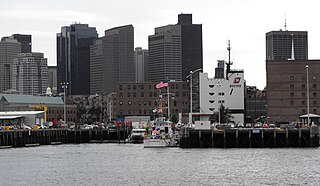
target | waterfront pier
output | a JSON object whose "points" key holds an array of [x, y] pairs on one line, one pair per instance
{"points": [[28, 138], [250, 138]]}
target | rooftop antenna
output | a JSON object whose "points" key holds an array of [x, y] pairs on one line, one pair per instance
{"points": [[292, 49], [285, 21], [229, 62]]}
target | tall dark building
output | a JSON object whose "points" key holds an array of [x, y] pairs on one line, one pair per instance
{"points": [[25, 41], [191, 41], [73, 57], [175, 50], [279, 45], [112, 59]]}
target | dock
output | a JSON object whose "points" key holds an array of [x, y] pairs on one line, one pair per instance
{"points": [[250, 138], [32, 138]]}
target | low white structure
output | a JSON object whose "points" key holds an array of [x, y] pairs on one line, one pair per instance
{"points": [[27, 117]]}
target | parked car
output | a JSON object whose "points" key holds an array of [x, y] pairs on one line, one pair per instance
{"points": [[25, 127], [248, 125], [265, 125], [87, 127]]}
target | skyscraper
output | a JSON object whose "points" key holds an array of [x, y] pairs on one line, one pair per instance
{"points": [[140, 64], [284, 45], [175, 50], [25, 41], [52, 78], [113, 58], [9, 48], [30, 73], [73, 57]]}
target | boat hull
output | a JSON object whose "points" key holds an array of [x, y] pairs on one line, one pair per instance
{"points": [[154, 143]]}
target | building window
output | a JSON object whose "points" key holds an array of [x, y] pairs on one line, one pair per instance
{"points": [[145, 103], [142, 94], [134, 94], [134, 87], [303, 94], [120, 95], [120, 87], [303, 86], [177, 94], [177, 86], [314, 86], [314, 110], [291, 77], [141, 87], [303, 111], [184, 86], [211, 93], [175, 103], [291, 94], [149, 103], [129, 103], [314, 102], [184, 94], [314, 94], [303, 102], [129, 94], [129, 87], [140, 103], [154, 94], [150, 94], [120, 103], [150, 87], [211, 86], [291, 86], [221, 93], [292, 103], [303, 78]]}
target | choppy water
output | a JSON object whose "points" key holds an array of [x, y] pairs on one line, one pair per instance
{"points": [[131, 164]]}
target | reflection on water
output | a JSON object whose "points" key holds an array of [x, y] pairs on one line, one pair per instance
{"points": [[131, 164]]}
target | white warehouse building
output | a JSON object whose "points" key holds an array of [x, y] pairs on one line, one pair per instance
{"points": [[227, 90]]}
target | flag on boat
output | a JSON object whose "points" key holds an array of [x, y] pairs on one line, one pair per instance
{"points": [[161, 84]]}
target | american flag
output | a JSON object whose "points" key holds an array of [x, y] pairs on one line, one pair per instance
{"points": [[161, 84]]}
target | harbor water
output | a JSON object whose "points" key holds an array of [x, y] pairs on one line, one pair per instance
{"points": [[131, 164]]}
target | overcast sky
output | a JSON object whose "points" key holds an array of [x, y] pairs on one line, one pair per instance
{"points": [[244, 22]]}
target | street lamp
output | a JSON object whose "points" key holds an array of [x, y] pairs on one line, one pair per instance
{"points": [[190, 75], [307, 67], [64, 85], [218, 85]]}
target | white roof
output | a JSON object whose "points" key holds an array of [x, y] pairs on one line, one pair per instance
{"points": [[9, 117], [10, 113], [310, 115]]}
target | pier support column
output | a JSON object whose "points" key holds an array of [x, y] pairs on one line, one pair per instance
{"points": [[287, 137], [200, 141], [274, 139], [237, 138], [249, 138], [212, 138], [262, 141], [299, 140]]}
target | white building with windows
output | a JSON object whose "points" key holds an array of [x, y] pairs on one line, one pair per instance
{"points": [[228, 91], [30, 74]]}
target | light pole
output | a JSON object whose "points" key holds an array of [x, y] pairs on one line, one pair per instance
{"points": [[218, 85], [64, 85], [308, 111], [190, 75]]}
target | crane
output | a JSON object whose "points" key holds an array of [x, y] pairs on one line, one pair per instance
{"points": [[42, 107]]}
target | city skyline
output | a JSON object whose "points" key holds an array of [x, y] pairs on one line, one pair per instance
{"points": [[245, 23]]}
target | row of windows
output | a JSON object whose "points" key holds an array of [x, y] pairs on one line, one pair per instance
{"points": [[141, 87], [314, 103], [303, 86], [302, 78], [140, 103], [154, 94], [61, 112], [303, 94], [150, 111]]}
